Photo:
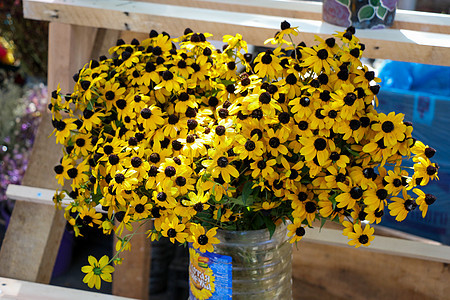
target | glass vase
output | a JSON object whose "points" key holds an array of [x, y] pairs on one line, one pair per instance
{"points": [[245, 265]]}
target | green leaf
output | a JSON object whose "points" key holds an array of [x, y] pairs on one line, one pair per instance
{"points": [[90, 106], [381, 12], [270, 225], [219, 213], [257, 222], [352, 152], [366, 13], [246, 191], [97, 197], [344, 2], [374, 2], [322, 222]]}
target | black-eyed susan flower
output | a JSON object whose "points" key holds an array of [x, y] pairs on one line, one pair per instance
{"points": [[250, 148], [401, 206], [351, 194], [151, 117], [63, 129], [360, 237], [424, 200], [390, 127], [319, 58], [220, 166], [174, 230], [263, 167], [89, 216], [275, 142], [203, 240], [267, 64], [317, 146], [424, 171], [296, 231]]}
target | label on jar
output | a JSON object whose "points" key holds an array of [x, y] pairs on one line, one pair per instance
{"points": [[210, 276]]}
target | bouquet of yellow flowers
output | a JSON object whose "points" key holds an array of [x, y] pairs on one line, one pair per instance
{"points": [[199, 139]]}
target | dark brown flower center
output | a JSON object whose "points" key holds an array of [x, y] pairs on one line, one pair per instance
{"points": [[363, 239], [170, 171], [202, 239], [222, 161]]}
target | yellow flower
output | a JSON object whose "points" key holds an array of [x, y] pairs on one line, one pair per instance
{"points": [[361, 237], [97, 271], [390, 127], [296, 231], [203, 240], [424, 200], [63, 130], [174, 230], [220, 166], [267, 64], [319, 59]]}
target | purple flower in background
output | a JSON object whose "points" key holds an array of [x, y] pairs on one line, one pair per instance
{"points": [[389, 4], [15, 147], [336, 13]]}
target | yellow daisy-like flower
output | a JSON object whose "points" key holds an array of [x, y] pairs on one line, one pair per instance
{"points": [[142, 207], [174, 230], [97, 271], [319, 59], [235, 42], [220, 166], [350, 195], [63, 130], [390, 127], [250, 148], [203, 240], [267, 64], [317, 146], [89, 216], [424, 200], [401, 206], [296, 231], [424, 171], [361, 237], [262, 167]]}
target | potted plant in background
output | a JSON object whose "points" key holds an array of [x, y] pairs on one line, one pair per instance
{"points": [[363, 14], [235, 155]]}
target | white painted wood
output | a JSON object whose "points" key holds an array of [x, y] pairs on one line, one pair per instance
{"points": [[382, 244], [33, 194], [247, 19], [37, 195], [12, 289]]}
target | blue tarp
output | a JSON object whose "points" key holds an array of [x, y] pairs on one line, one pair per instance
{"points": [[422, 93]]}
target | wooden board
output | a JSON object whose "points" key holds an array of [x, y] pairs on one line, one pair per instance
{"points": [[135, 270], [397, 44], [31, 242], [404, 19], [17, 289], [331, 272]]}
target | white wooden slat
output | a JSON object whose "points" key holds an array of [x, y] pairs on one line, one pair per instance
{"points": [[246, 19], [407, 43], [37, 195], [12, 289], [382, 244]]}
